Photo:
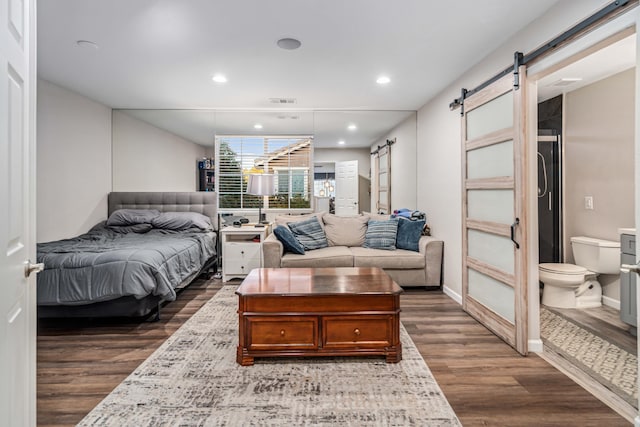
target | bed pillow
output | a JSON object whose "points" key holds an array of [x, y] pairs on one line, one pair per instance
{"points": [[132, 216], [309, 233], [381, 234], [135, 228], [179, 221], [288, 240], [409, 233]]}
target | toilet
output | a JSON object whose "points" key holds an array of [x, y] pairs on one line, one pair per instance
{"points": [[576, 285]]}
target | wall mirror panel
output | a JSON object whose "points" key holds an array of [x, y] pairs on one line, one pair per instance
{"points": [[174, 150]]}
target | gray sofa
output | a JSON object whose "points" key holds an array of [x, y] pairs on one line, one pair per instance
{"points": [[345, 236]]}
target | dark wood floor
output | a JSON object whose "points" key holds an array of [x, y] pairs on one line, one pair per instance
{"points": [[485, 381]]}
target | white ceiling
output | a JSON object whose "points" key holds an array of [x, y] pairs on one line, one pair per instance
{"points": [[613, 59], [162, 54]]}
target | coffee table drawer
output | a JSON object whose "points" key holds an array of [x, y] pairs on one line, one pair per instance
{"points": [[366, 330], [278, 333]]}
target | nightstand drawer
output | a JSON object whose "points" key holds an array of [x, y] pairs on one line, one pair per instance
{"points": [[272, 333], [241, 251], [370, 331], [239, 266]]}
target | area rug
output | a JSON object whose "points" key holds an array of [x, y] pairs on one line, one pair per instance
{"points": [[612, 366], [194, 380]]}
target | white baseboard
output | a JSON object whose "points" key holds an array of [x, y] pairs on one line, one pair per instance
{"points": [[535, 346], [452, 294], [610, 302]]}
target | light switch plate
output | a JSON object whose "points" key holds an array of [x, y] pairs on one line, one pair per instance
{"points": [[588, 202]]}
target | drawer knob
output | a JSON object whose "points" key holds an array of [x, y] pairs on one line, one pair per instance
{"points": [[242, 252], [281, 332], [356, 331]]}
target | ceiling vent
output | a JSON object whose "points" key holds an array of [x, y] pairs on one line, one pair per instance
{"points": [[282, 100], [566, 81]]}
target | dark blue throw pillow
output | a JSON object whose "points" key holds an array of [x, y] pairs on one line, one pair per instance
{"points": [[409, 233], [288, 240]]}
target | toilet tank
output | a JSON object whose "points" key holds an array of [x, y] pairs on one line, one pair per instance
{"points": [[597, 255]]}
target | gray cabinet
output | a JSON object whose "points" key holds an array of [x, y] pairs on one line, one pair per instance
{"points": [[628, 306]]}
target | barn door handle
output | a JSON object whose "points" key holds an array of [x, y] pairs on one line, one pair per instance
{"points": [[513, 232]]}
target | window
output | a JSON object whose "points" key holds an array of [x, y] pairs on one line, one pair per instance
{"points": [[289, 158]]}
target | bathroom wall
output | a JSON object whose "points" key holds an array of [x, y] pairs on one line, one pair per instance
{"points": [[599, 162]]}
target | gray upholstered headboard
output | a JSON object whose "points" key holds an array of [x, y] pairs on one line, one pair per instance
{"points": [[204, 202]]}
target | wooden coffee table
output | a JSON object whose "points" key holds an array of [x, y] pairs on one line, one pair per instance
{"points": [[318, 312]]}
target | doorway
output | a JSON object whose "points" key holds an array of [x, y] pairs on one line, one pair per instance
{"points": [[587, 157]]}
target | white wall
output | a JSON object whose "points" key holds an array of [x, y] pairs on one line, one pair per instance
{"points": [[404, 165], [438, 146], [73, 162], [146, 158], [598, 138]]}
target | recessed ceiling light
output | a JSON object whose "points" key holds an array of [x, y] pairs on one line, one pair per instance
{"points": [[288, 43], [87, 44], [257, 126], [341, 142], [383, 80], [352, 127], [219, 78]]}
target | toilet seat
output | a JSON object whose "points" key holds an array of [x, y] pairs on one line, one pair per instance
{"points": [[562, 268], [561, 274]]}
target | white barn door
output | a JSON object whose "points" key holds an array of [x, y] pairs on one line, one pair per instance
{"points": [[17, 215], [494, 259]]}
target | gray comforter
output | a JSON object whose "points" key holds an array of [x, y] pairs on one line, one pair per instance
{"points": [[103, 264]]}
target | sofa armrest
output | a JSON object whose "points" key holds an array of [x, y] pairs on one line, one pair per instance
{"points": [[272, 251], [432, 249]]}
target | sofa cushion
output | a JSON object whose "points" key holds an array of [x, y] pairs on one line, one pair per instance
{"points": [[377, 217], [333, 256], [345, 230], [309, 233], [287, 219], [398, 259], [288, 240], [381, 234], [409, 233]]}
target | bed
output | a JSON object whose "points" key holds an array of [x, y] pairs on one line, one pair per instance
{"points": [[128, 269]]}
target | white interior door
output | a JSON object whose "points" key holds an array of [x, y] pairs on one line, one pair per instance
{"points": [[17, 219], [494, 223], [347, 188]]}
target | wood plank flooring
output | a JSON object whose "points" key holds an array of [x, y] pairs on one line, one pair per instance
{"points": [[486, 382]]}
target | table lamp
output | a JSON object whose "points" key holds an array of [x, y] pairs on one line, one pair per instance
{"points": [[261, 184]]}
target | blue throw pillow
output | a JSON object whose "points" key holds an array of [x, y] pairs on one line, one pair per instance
{"points": [[409, 233], [309, 233], [381, 234], [288, 240]]}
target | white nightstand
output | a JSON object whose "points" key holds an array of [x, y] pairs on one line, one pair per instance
{"points": [[241, 250]]}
